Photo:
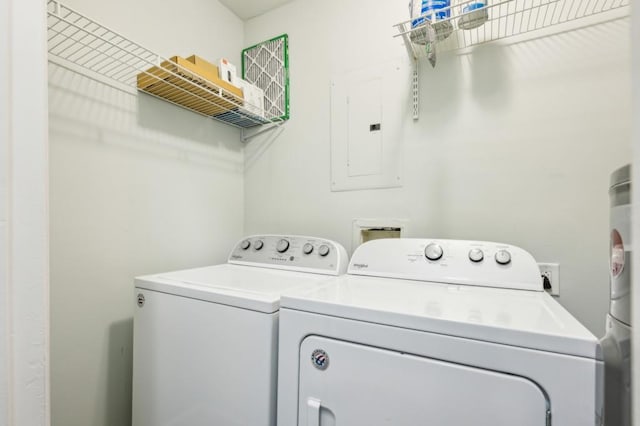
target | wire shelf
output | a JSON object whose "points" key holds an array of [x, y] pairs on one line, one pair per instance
{"points": [[84, 45], [498, 19]]}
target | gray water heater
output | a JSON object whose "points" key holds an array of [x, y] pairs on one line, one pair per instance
{"points": [[616, 343]]}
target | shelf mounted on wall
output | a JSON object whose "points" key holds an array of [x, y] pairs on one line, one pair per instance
{"points": [[468, 23], [85, 46]]}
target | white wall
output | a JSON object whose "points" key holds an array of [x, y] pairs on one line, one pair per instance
{"points": [[137, 186], [515, 142], [24, 302], [4, 204], [635, 26]]}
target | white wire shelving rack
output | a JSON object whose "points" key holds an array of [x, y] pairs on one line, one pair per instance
{"points": [[83, 45], [498, 19], [504, 18]]}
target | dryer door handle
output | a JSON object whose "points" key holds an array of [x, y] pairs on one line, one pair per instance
{"points": [[313, 412]]}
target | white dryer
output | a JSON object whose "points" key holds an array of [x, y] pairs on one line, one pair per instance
{"points": [[206, 339], [443, 333]]}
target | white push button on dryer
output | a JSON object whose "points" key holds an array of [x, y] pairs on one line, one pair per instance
{"points": [[503, 257], [433, 251], [258, 245], [476, 255], [283, 245], [245, 244]]}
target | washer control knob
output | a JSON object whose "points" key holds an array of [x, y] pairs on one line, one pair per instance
{"points": [[283, 245], [307, 248], [476, 255], [323, 250], [433, 251], [258, 244], [245, 244], [503, 257]]}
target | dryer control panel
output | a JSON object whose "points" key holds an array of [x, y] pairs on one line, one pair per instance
{"points": [[292, 253], [479, 263]]}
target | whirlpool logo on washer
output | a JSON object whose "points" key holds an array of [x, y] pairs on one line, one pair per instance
{"points": [[320, 359], [360, 265]]}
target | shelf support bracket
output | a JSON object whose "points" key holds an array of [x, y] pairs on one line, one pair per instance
{"points": [[415, 91], [246, 136]]}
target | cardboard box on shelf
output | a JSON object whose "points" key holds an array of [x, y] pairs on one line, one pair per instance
{"points": [[182, 82], [208, 70]]}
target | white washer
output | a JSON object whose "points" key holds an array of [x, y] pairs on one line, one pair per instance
{"points": [[423, 332], [206, 339]]}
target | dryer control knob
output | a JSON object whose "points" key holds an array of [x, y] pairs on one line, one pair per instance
{"points": [[503, 257], [323, 250], [283, 245], [307, 248], [433, 251], [476, 255], [258, 244], [245, 244]]}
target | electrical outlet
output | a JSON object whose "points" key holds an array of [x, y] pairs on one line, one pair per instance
{"points": [[552, 272]]}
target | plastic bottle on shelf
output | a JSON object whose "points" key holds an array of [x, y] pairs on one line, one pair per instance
{"points": [[433, 11], [473, 15]]}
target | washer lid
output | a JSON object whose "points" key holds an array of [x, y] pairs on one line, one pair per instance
{"points": [[246, 287], [527, 319]]}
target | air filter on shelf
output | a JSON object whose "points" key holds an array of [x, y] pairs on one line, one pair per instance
{"points": [[266, 65]]}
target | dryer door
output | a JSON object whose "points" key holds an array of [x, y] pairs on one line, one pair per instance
{"points": [[347, 384]]}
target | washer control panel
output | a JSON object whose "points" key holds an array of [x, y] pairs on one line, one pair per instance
{"points": [[479, 263], [291, 252]]}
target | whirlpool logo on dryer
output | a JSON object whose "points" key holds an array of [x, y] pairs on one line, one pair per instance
{"points": [[360, 265]]}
